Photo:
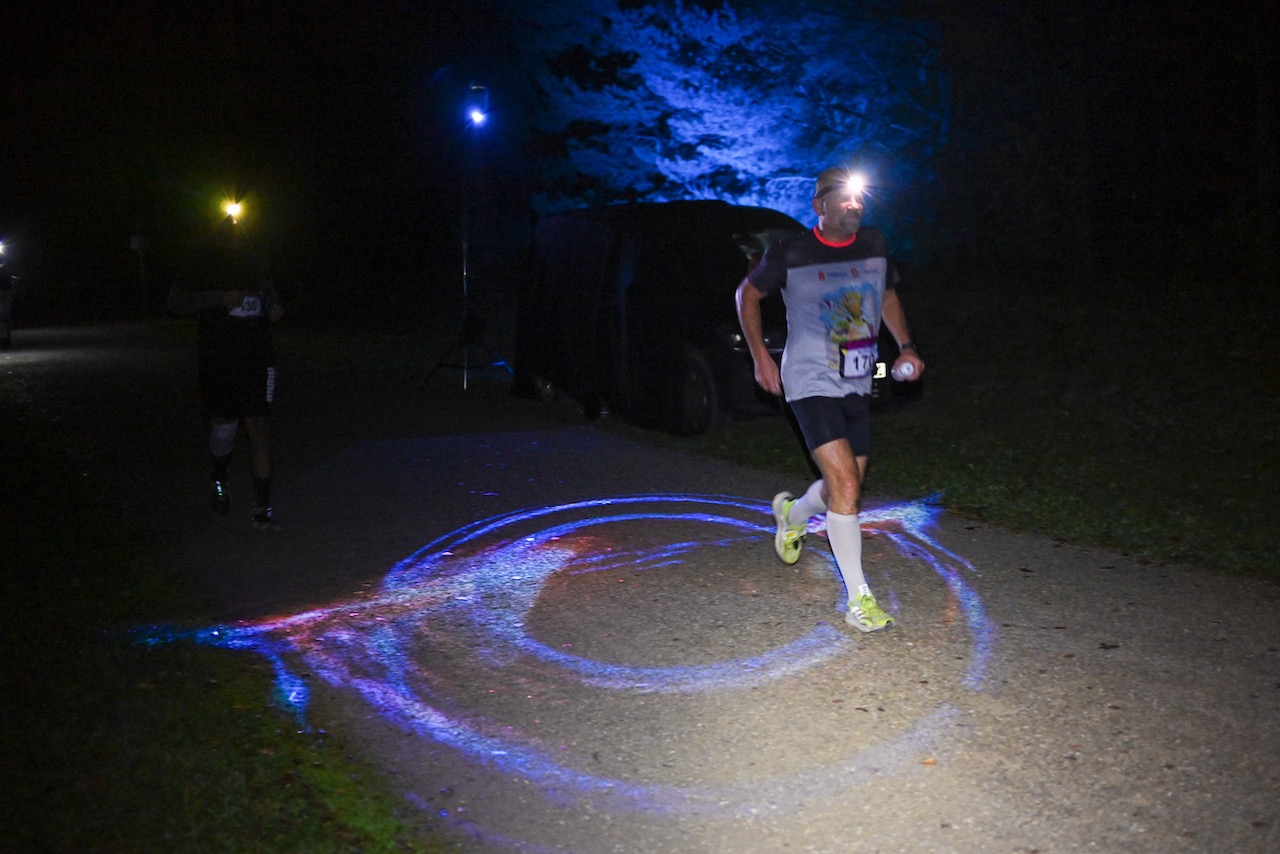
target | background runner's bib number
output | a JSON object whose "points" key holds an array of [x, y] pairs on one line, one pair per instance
{"points": [[251, 306]]}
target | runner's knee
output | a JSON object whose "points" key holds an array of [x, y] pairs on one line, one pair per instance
{"points": [[222, 439]]}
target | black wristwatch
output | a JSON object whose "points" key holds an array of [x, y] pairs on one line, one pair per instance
{"points": [[905, 346]]}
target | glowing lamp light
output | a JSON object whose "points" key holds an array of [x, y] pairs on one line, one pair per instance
{"points": [[477, 106], [232, 209], [856, 184], [853, 185]]}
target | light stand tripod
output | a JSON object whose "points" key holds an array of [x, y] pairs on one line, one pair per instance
{"points": [[469, 350], [470, 339]]}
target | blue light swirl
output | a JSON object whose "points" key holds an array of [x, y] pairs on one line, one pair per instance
{"points": [[481, 581]]}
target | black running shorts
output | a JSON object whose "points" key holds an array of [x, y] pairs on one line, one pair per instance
{"points": [[235, 391], [825, 419]]}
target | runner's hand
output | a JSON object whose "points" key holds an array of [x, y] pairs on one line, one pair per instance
{"points": [[769, 377]]}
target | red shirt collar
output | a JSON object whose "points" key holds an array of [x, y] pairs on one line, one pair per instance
{"points": [[825, 242]]}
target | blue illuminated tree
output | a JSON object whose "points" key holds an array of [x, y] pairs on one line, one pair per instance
{"points": [[661, 101]]}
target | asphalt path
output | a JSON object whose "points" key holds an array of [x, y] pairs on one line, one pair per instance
{"points": [[554, 637]]}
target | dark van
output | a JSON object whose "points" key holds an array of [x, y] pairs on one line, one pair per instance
{"points": [[630, 309]]}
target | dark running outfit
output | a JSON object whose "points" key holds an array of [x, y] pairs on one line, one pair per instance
{"points": [[236, 353], [834, 294], [237, 360]]}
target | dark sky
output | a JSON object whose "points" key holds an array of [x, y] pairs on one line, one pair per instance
{"points": [[129, 110], [107, 102], [122, 116]]}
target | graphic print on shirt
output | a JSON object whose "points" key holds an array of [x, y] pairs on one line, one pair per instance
{"points": [[853, 339], [850, 316]]}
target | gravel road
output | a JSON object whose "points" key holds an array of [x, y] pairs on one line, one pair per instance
{"points": [[556, 638]]}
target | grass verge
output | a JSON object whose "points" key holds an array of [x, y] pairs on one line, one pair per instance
{"points": [[117, 746], [1140, 417]]}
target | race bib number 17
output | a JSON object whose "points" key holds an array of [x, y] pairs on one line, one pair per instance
{"points": [[857, 358]]}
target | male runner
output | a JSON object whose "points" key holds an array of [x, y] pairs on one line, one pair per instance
{"points": [[838, 286]]}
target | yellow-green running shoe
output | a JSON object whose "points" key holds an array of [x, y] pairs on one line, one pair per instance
{"points": [[865, 615], [790, 538]]}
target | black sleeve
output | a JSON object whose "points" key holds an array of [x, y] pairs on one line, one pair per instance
{"points": [[770, 275]]}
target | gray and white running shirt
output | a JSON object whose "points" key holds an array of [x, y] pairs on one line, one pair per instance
{"points": [[833, 295]]}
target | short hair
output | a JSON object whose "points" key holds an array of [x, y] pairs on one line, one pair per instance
{"points": [[828, 180]]}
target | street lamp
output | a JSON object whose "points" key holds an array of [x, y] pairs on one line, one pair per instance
{"points": [[471, 330], [477, 109], [232, 209], [477, 112]]}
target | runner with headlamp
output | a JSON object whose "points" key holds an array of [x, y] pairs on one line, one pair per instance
{"points": [[838, 286]]}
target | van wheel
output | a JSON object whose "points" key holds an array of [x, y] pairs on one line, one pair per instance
{"points": [[699, 400]]}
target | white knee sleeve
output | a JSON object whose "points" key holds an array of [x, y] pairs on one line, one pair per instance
{"points": [[222, 438]]}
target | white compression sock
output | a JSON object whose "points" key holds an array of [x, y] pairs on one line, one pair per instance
{"points": [[845, 534], [809, 504]]}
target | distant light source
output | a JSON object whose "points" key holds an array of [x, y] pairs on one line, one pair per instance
{"points": [[477, 107], [232, 209]]}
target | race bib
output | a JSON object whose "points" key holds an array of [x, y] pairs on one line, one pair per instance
{"points": [[250, 307], [857, 358]]}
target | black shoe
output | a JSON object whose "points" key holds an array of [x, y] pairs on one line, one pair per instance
{"points": [[264, 520], [219, 497]]}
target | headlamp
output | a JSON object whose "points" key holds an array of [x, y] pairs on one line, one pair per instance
{"points": [[854, 185]]}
